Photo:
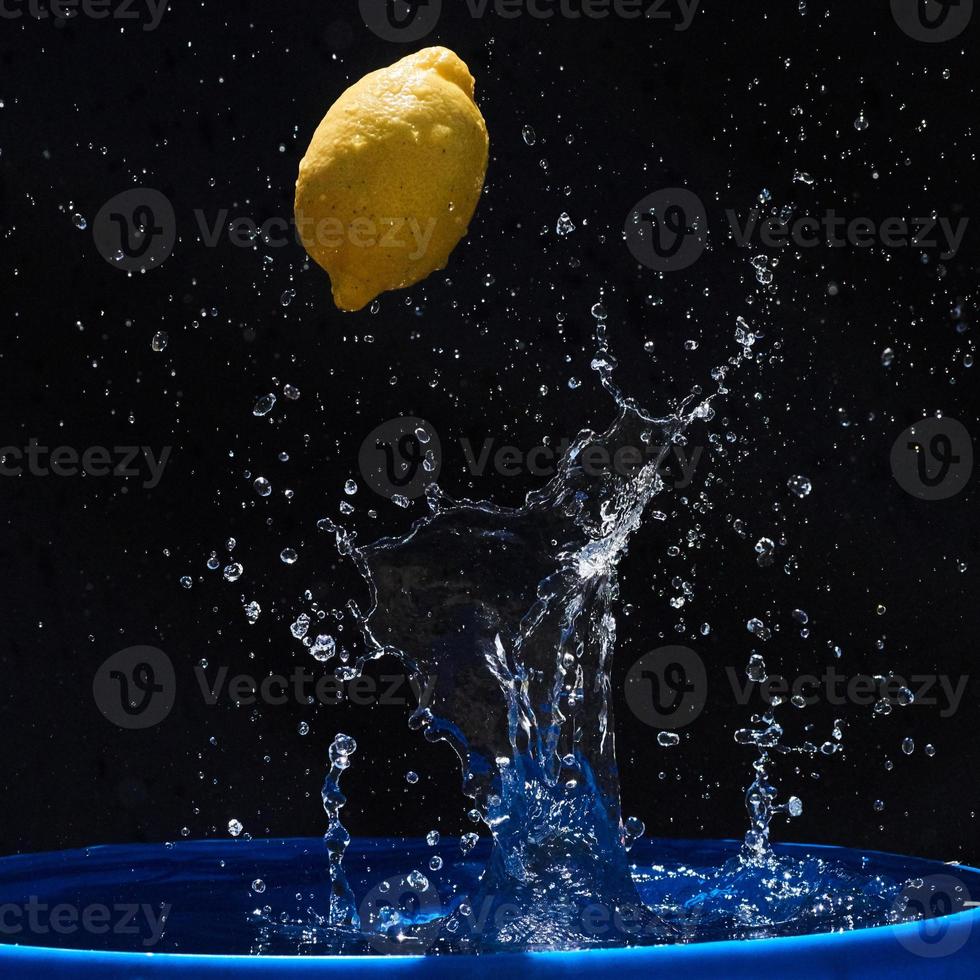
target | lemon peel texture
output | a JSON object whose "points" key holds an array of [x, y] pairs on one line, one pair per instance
{"points": [[392, 176]]}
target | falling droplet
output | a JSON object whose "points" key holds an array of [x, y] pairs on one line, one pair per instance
{"points": [[264, 405]]}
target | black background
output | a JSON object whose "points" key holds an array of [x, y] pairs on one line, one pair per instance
{"points": [[215, 109]]}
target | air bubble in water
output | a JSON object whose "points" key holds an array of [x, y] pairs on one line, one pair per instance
{"points": [[291, 392], [288, 556], [668, 739], [159, 341], [262, 486]]}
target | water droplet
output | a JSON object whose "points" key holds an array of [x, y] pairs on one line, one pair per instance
{"points": [[79, 222], [252, 612], [159, 341], [291, 392], [288, 556], [765, 549], [264, 405], [262, 486], [235, 827], [324, 647], [258, 886], [668, 739], [565, 225], [530, 137], [417, 881], [799, 486], [411, 777]]}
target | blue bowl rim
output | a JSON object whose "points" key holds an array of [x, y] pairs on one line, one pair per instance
{"points": [[899, 931]]}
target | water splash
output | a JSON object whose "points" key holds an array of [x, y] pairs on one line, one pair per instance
{"points": [[510, 611], [343, 905]]}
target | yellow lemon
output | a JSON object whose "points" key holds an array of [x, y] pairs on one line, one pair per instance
{"points": [[392, 176]]}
